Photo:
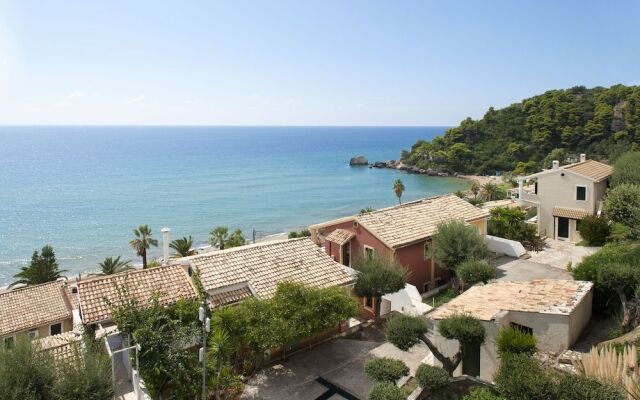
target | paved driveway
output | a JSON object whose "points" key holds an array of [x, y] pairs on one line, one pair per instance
{"points": [[515, 269], [559, 254], [333, 370]]}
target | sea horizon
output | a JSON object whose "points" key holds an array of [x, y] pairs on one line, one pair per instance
{"points": [[83, 189]]}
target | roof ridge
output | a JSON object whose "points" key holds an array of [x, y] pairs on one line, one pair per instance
{"points": [[409, 203], [127, 273], [249, 246], [61, 283]]}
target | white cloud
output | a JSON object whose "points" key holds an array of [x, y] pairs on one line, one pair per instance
{"points": [[78, 94], [136, 99]]}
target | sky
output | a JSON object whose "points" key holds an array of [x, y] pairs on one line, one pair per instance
{"points": [[302, 62]]}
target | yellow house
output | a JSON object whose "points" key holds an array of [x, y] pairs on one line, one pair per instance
{"points": [[564, 195], [37, 311]]}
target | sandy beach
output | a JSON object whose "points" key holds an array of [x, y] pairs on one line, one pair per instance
{"points": [[483, 179]]}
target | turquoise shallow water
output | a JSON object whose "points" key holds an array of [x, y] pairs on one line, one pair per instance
{"points": [[83, 190]]}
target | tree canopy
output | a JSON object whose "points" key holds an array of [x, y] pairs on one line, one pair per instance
{"points": [[42, 269], [377, 276], [603, 121], [456, 242]]}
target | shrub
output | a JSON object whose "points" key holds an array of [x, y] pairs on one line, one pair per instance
{"points": [[434, 379], [514, 341], [594, 230], [300, 234], [463, 328], [404, 331], [26, 372], [580, 387], [521, 377], [385, 369], [475, 271], [626, 169], [623, 205], [456, 242], [509, 223], [482, 394], [386, 391], [86, 376], [605, 299]]}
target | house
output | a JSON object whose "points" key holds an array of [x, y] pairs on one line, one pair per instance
{"points": [[97, 296], [554, 311], [564, 195], [231, 275], [37, 311], [403, 232]]}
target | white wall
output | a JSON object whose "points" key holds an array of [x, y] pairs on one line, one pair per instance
{"points": [[504, 246]]}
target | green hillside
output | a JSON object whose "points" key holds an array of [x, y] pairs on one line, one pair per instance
{"points": [[521, 137]]}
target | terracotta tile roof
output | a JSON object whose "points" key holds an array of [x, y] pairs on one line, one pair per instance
{"points": [[340, 236], [410, 222], [171, 283], [264, 265], [63, 347], [544, 296], [33, 306], [229, 296], [592, 169], [573, 213]]}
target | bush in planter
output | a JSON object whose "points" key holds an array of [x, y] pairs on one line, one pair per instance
{"points": [[594, 230], [482, 394], [386, 391], [475, 271], [515, 341], [385, 369], [434, 379]]}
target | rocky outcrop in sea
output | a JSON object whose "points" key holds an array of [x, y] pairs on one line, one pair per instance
{"points": [[399, 165]]}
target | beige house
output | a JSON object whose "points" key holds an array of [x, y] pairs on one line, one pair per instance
{"points": [[255, 270], [564, 195], [97, 296], [37, 311], [554, 311]]}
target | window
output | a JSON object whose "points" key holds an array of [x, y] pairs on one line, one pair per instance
{"points": [[55, 329], [368, 251], [368, 302], [33, 334], [8, 342], [427, 250], [535, 188], [522, 328], [581, 193]]}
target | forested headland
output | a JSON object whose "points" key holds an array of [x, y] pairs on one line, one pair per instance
{"points": [[527, 136]]}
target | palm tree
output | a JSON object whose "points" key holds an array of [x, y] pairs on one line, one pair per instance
{"points": [[475, 188], [218, 236], [142, 242], [182, 247], [490, 191], [112, 266], [42, 269], [398, 187]]}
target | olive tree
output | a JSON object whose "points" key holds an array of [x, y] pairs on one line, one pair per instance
{"points": [[377, 276], [455, 242], [622, 205], [404, 331], [475, 271]]}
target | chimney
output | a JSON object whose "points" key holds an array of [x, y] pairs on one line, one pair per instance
{"points": [[556, 164], [583, 157], [165, 245]]}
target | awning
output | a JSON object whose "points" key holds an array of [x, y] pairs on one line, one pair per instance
{"points": [[340, 236], [572, 213], [230, 296]]}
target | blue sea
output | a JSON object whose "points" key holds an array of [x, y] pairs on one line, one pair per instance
{"points": [[83, 189]]}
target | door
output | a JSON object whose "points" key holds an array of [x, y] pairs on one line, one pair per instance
{"points": [[471, 360], [563, 228], [346, 254]]}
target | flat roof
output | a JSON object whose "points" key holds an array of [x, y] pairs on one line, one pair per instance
{"points": [[543, 296]]}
